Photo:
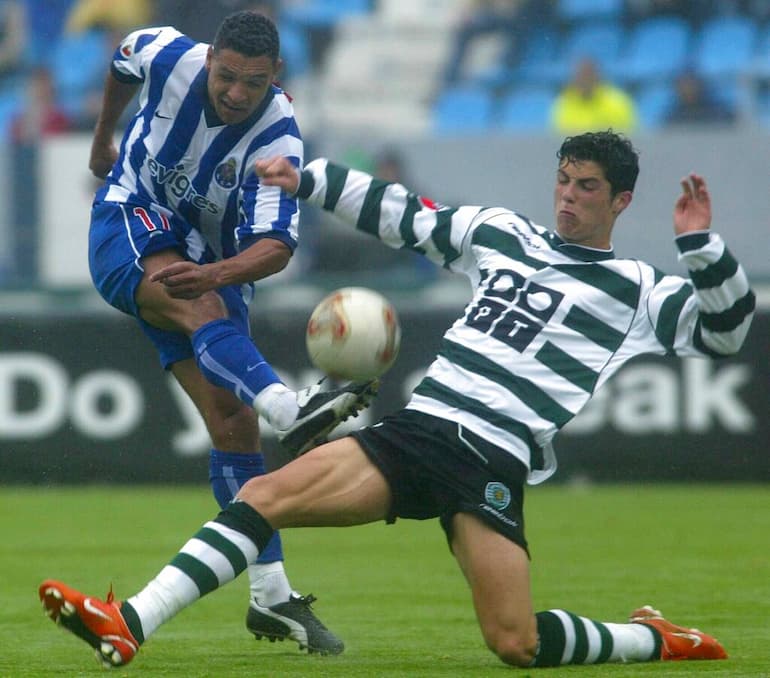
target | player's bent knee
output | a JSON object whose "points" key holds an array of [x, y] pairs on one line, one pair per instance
{"points": [[236, 431], [258, 492], [513, 649]]}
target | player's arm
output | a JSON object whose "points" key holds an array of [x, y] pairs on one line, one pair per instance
{"points": [[128, 68], [389, 211], [188, 280], [711, 313], [116, 97]]}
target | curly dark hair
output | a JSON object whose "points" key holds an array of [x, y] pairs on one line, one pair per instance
{"points": [[249, 33], [613, 152]]}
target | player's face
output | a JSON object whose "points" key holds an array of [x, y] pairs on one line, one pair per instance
{"points": [[238, 83], [585, 208]]}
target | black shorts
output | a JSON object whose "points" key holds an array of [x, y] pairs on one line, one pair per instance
{"points": [[435, 468]]}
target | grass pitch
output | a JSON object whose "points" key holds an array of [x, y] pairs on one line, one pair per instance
{"points": [[394, 594]]}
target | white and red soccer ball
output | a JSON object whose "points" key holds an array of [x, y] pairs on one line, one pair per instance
{"points": [[353, 334]]}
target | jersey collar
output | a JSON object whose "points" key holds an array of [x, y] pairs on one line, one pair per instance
{"points": [[580, 252]]}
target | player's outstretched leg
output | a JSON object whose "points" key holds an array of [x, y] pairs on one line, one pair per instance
{"points": [[295, 620], [567, 638], [678, 642], [321, 410], [97, 622]]}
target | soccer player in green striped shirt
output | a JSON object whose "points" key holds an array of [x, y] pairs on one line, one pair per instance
{"points": [[553, 315]]}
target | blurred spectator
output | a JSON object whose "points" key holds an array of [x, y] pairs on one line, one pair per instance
{"points": [[589, 104], [389, 166], [511, 20], [92, 31], [115, 16], [12, 62], [696, 103], [12, 37], [40, 115]]}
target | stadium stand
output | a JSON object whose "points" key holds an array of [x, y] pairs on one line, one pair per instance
{"points": [[464, 110], [656, 49], [382, 62]]}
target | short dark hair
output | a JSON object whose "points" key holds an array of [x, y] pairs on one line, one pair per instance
{"points": [[613, 152], [249, 33]]}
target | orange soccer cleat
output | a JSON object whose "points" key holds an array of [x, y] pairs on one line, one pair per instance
{"points": [[678, 642], [97, 622]]}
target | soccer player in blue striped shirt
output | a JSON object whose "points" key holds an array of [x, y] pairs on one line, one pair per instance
{"points": [[181, 229]]}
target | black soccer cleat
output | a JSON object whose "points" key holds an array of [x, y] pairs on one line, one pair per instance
{"points": [[294, 620], [320, 412]]}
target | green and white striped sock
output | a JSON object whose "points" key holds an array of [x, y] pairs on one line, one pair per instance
{"points": [[565, 638], [215, 555]]}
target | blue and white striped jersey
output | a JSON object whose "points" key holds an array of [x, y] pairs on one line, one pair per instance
{"points": [[549, 322], [178, 158]]}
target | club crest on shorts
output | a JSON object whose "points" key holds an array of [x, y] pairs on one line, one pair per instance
{"points": [[225, 174], [497, 495]]}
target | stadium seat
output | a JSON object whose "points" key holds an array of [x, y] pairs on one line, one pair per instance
{"points": [[762, 108], [724, 46], [600, 41], [653, 102], [656, 48], [728, 91], [295, 50], [526, 109], [572, 11], [78, 67], [11, 103], [539, 50], [463, 110], [324, 13], [760, 65]]}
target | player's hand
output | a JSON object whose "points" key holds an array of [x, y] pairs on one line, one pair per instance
{"points": [[185, 279], [278, 171], [103, 157], [692, 211]]}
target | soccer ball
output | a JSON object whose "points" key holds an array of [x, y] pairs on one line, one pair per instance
{"points": [[353, 334]]}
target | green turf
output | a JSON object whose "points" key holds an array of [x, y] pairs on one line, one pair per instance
{"points": [[701, 554]]}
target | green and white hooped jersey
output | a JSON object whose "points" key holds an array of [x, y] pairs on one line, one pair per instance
{"points": [[549, 322]]}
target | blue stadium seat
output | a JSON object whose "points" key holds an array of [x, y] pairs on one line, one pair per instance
{"points": [[582, 10], [324, 13], [526, 109], [727, 90], [78, 66], [762, 109], [724, 46], [760, 65], [539, 50], [600, 41], [656, 48], [653, 102], [11, 103], [463, 110], [295, 49]]}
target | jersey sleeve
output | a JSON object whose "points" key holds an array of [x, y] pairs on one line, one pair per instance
{"points": [[135, 52], [390, 212], [711, 313], [267, 211]]}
